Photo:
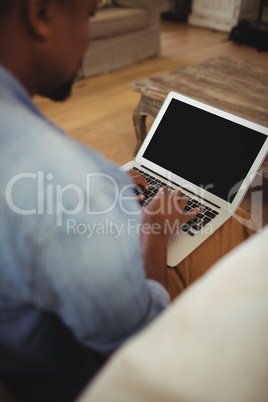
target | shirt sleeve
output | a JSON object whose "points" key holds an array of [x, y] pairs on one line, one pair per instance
{"points": [[90, 269]]}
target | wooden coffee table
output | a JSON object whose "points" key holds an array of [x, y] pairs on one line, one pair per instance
{"points": [[236, 86]]}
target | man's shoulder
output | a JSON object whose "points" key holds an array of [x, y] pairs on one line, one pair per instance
{"points": [[36, 143]]}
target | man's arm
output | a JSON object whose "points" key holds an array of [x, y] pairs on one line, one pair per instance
{"points": [[162, 218]]}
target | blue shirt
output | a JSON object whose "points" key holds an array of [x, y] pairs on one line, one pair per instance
{"points": [[72, 282]]}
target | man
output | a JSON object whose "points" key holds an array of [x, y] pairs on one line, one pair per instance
{"points": [[81, 269]]}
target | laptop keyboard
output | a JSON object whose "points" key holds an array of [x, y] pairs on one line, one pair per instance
{"points": [[192, 227]]}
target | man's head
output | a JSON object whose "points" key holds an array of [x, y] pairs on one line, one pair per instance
{"points": [[42, 42]]}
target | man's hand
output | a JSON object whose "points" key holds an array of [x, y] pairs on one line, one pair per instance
{"points": [[162, 217], [138, 180], [166, 212]]}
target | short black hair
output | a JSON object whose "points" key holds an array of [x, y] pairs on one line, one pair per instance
{"points": [[6, 6]]}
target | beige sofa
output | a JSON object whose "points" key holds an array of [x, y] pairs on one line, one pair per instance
{"points": [[122, 34]]}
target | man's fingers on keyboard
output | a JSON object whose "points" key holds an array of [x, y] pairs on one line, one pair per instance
{"points": [[179, 195], [180, 199], [138, 179], [162, 192], [140, 198], [191, 215]]}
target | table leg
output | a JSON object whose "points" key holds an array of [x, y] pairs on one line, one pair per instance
{"points": [[139, 119]]}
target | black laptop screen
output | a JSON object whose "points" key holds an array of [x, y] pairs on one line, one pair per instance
{"points": [[205, 149]]}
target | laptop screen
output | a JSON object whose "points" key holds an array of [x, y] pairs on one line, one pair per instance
{"points": [[205, 149]]}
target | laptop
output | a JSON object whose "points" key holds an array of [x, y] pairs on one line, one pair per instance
{"points": [[211, 155]]}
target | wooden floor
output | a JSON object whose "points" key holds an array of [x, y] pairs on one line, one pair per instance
{"points": [[99, 113]]}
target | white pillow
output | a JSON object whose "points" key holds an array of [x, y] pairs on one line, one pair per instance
{"points": [[211, 345]]}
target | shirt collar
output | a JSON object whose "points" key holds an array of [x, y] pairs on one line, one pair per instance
{"points": [[12, 90]]}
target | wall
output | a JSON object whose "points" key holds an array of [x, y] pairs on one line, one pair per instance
{"points": [[222, 15]]}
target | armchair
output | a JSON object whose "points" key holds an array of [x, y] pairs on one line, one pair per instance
{"points": [[125, 33]]}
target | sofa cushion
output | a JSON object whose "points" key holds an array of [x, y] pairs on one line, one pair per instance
{"points": [[132, 3], [115, 21]]}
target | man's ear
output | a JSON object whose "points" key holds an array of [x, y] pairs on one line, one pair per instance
{"points": [[39, 14]]}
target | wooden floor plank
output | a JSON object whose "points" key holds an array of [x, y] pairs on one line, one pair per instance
{"points": [[99, 112]]}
